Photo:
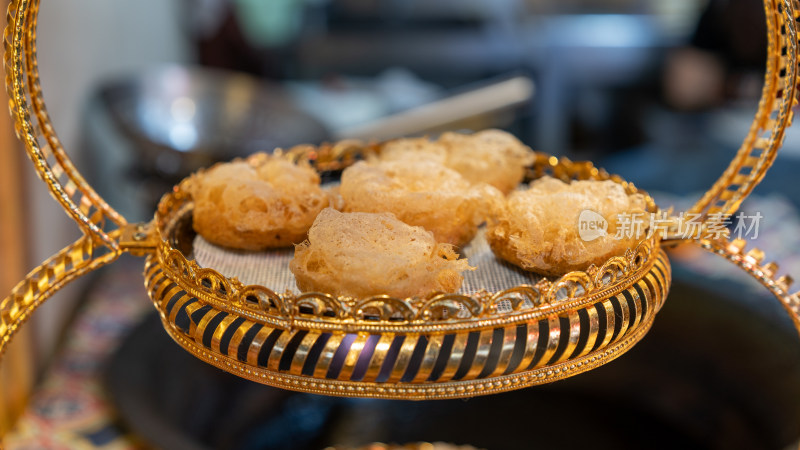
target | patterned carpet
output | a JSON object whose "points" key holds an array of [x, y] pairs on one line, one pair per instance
{"points": [[69, 409]]}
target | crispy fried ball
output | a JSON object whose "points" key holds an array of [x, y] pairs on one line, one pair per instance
{"points": [[420, 193], [363, 254], [538, 229], [413, 148], [492, 156], [263, 202]]}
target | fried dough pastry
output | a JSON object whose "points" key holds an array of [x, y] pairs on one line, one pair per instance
{"points": [[413, 148], [262, 202], [539, 229], [420, 193], [491, 156], [363, 254]]}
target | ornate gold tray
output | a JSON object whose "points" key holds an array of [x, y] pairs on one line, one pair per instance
{"points": [[440, 346]]}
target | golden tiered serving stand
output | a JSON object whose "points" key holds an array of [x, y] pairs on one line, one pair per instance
{"points": [[435, 347]]}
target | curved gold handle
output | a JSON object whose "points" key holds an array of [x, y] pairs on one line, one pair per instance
{"points": [[774, 115], [106, 234], [83, 256], [757, 153], [79, 200]]}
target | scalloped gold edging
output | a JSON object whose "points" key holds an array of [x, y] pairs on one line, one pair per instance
{"points": [[415, 315], [766, 274]]}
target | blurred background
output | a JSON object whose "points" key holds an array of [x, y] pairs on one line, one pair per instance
{"points": [[143, 93]]}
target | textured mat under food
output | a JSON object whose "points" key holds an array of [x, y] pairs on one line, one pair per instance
{"points": [[271, 268]]}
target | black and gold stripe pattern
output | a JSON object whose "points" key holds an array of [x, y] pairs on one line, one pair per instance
{"points": [[466, 362]]}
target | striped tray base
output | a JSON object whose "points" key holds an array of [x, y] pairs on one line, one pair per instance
{"points": [[427, 365]]}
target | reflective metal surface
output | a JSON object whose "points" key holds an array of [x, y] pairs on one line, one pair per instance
{"points": [[184, 118]]}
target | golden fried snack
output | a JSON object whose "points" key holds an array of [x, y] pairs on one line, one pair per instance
{"points": [[539, 229], [420, 193], [263, 202], [413, 148], [363, 254], [491, 156]]}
